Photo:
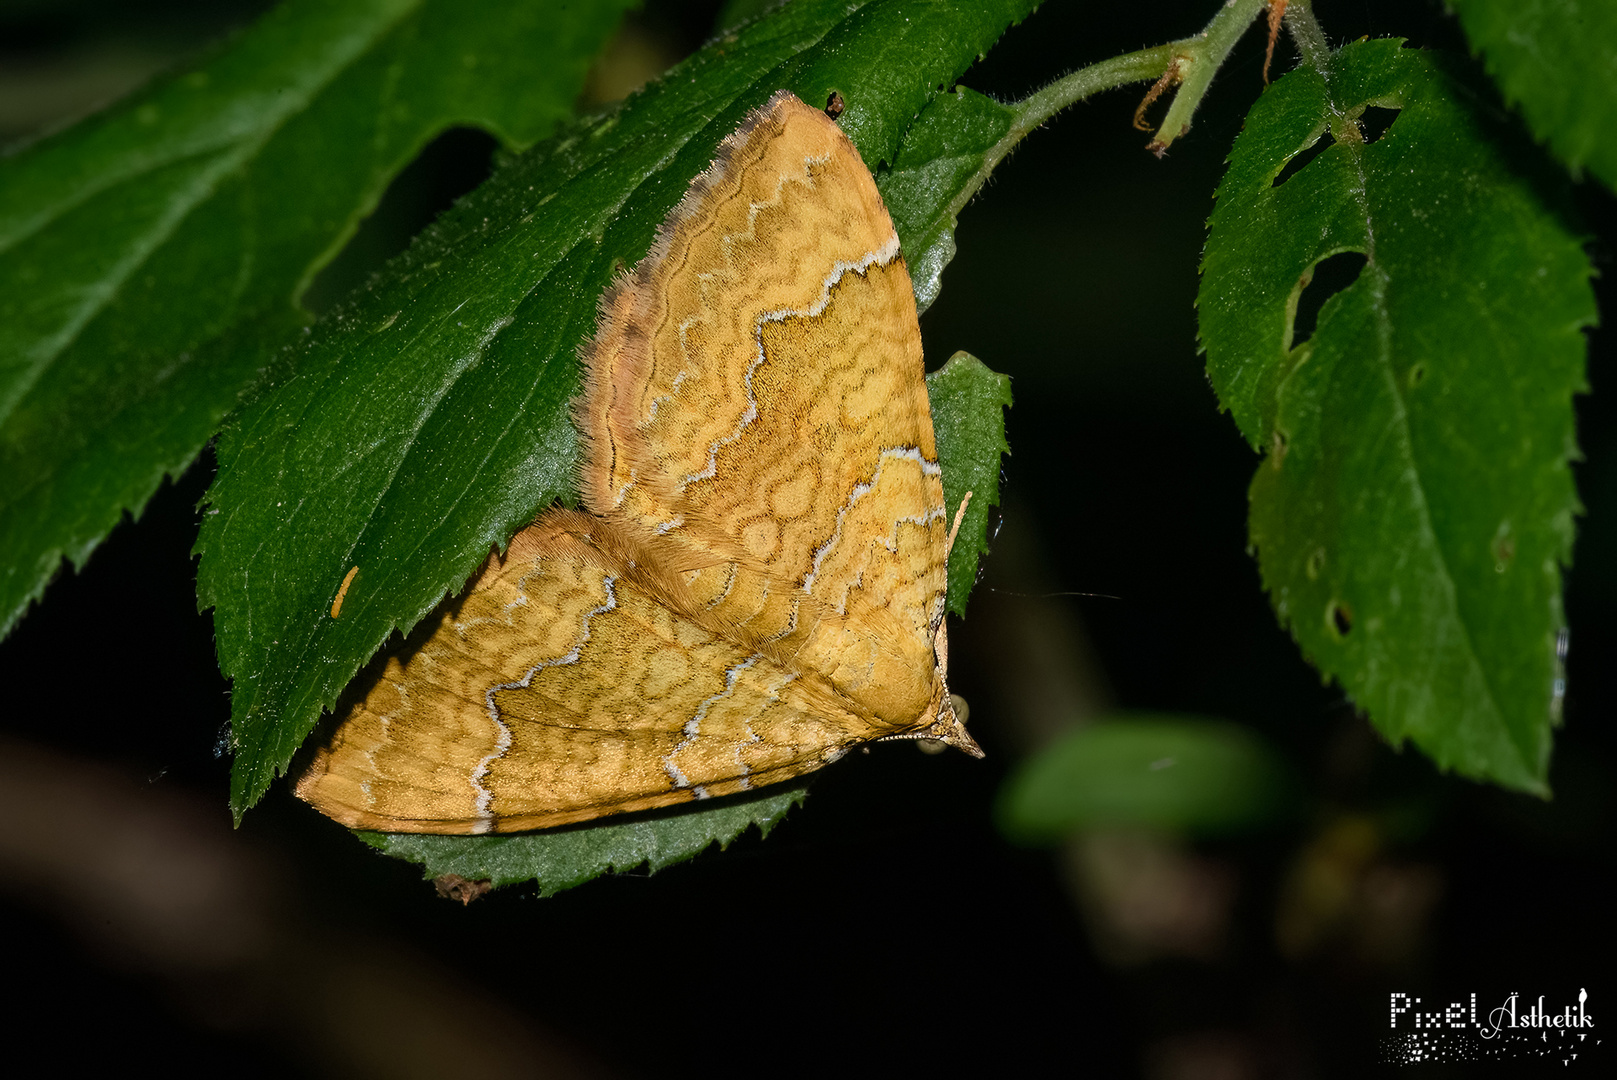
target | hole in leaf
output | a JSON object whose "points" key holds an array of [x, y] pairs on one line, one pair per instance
{"points": [[450, 166], [1302, 157], [1317, 285], [1316, 563], [1338, 619], [1375, 121], [1417, 375]]}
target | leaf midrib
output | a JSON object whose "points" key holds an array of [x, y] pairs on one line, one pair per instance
{"points": [[1355, 152]]}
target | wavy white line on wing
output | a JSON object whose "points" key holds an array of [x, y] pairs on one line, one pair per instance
{"points": [[502, 743]]}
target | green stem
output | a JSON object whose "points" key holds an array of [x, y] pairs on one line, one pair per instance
{"points": [[1305, 31], [1198, 56], [1142, 66], [1039, 106], [1199, 59], [1310, 39]]}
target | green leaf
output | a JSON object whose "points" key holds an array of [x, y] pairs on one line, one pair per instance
{"points": [[946, 157], [1415, 507], [1556, 60], [558, 859], [1181, 773], [968, 414], [427, 421], [151, 257]]}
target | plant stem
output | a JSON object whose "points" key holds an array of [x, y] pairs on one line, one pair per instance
{"points": [[1310, 39], [1142, 66], [1199, 59], [1039, 106], [1200, 56]]}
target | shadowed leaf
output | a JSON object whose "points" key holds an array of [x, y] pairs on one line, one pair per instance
{"points": [[1556, 60], [1181, 773], [151, 256], [559, 859]]}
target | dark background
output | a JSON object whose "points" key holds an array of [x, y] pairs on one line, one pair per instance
{"points": [[886, 926]]}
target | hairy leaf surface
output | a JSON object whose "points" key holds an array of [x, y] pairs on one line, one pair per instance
{"points": [[1414, 508]]}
